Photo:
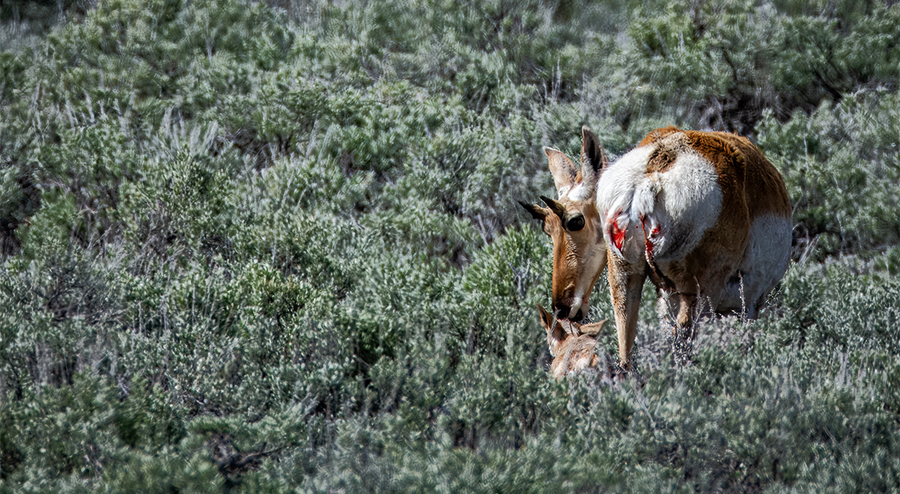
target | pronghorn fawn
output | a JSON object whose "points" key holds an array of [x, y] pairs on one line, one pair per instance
{"points": [[571, 344], [704, 215]]}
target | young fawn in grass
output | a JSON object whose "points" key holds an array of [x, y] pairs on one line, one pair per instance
{"points": [[572, 345], [704, 215]]}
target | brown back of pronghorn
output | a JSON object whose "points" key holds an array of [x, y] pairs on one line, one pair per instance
{"points": [[571, 344], [704, 215]]}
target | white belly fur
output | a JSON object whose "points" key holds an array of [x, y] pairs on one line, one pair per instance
{"points": [[765, 262]]}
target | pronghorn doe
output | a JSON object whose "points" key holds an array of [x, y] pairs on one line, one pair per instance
{"points": [[572, 345], [704, 215]]}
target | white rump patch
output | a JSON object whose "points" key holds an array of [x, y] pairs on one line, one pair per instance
{"points": [[691, 201], [616, 187], [683, 201]]}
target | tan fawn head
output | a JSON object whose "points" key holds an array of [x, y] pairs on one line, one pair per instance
{"points": [[574, 225], [571, 344]]}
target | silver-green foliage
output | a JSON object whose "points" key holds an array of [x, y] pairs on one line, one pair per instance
{"points": [[276, 247]]}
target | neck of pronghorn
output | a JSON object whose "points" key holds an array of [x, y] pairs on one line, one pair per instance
{"points": [[574, 225]]}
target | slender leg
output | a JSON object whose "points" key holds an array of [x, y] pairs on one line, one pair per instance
{"points": [[625, 287], [686, 310]]}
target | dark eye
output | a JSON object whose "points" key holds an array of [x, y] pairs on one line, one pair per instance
{"points": [[575, 223]]}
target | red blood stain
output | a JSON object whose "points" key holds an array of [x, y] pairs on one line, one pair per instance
{"points": [[618, 235], [648, 244]]}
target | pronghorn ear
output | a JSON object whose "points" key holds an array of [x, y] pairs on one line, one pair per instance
{"points": [[556, 334], [536, 211], [546, 318], [563, 170], [592, 329], [593, 157], [556, 207]]}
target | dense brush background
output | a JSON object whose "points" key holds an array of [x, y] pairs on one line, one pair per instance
{"points": [[275, 246]]}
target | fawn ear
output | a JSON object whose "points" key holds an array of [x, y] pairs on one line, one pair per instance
{"points": [[546, 318], [563, 170], [556, 334], [593, 158], [592, 329]]}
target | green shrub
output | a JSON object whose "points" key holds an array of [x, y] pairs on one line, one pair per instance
{"points": [[277, 246], [841, 168]]}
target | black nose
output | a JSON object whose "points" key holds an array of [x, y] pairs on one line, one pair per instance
{"points": [[562, 312]]}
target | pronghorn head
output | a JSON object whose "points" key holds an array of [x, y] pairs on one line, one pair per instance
{"points": [[572, 221], [560, 330], [571, 344]]}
